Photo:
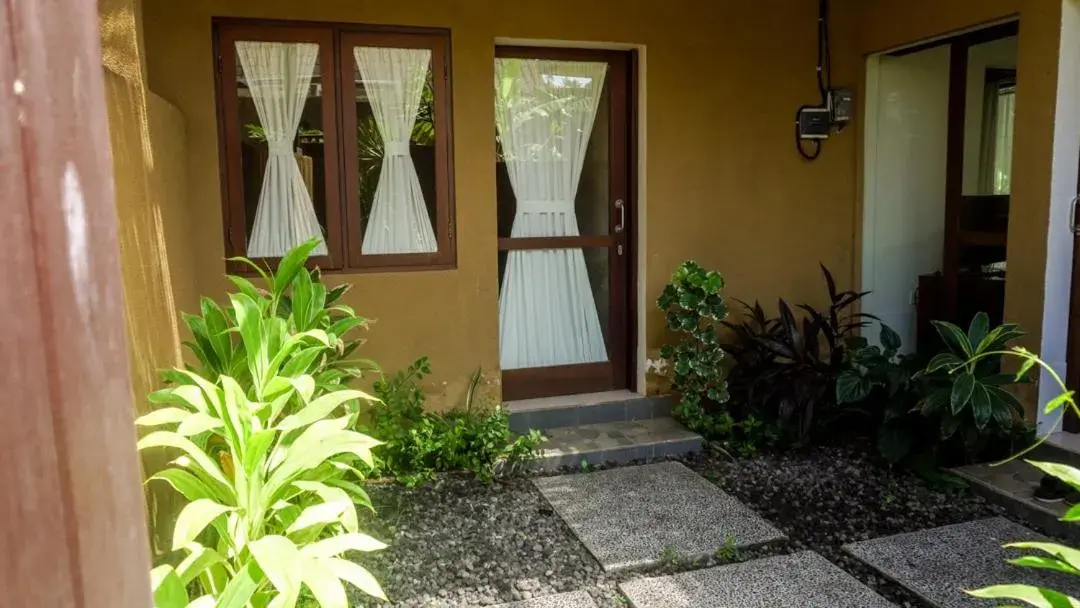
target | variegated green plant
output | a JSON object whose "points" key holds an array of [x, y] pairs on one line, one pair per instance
{"points": [[268, 463], [1049, 556]]}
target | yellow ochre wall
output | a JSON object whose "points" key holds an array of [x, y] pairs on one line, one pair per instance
{"points": [[885, 24], [723, 182], [149, 154]]}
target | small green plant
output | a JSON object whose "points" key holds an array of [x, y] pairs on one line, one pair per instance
{"points": [[669, 557], [729, 552], [584, 465], [266, 459], [694, 310], [1047, 556], [965, 389], [878, 383], [473, 437]]}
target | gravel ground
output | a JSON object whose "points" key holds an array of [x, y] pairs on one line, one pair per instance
{"points": [[455, 542], [827, 497]]}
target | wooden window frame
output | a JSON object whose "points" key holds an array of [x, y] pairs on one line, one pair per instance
{"points": [[344, 228]]}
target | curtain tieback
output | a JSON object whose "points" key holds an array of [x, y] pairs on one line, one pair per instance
{"points": [[396, 148], [280, 147], [545, 206]]}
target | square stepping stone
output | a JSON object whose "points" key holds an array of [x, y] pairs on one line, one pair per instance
{"points": [[801, 580], [940, 563], [576, 599], [627, 516]]}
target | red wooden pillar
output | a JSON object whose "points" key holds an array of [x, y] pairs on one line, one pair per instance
{"points": [[72, 527]]}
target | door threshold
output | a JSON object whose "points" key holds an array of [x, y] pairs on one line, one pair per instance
{"points": [[570, 401]]}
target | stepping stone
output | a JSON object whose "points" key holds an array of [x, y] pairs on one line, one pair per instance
{"points": [[939, 563], [627, 516], [801, 580], [577, 599]]}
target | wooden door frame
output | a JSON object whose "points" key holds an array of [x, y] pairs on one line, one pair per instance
{"points": [[583, 378]]}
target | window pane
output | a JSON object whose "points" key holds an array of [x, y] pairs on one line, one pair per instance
{"points": [[396, 149], [279, 90], [988, 117], [552, 139]]}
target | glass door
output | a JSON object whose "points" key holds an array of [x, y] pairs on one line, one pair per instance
{"points": [[564, 218]]}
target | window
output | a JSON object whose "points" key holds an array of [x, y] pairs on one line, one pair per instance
{"points": [[339, 133]]}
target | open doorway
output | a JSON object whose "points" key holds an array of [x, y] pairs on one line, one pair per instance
{"points": [[938, 166]]}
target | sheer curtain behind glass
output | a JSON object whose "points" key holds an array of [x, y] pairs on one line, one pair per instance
{"points": [[279, 76], [394, 81], [544, 113]]}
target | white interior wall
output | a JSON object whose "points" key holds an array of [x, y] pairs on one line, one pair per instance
{"points": [[1063, 187], [904, 186], [995, 54]]}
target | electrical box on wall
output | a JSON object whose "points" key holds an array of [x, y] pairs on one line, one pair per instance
{"points": [[843, 106], [814, 123]]}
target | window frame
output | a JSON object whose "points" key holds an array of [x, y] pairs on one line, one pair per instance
{"points": [[344, 227]]}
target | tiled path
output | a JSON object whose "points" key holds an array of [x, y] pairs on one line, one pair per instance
{"points": [[627, 516]]}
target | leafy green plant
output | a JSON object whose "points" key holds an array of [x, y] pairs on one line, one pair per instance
{"points": [[965, 389], [729, 551], [787, 367], [294, 301], [669, 557], [694, 310], [267, 460], [474, 437], [878, 383], [1046, 555]]}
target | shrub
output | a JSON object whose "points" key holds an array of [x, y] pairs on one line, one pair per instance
{"points": [[911, 407], [474, 437], [964, 391], [787, 368], [1049, 556], [694, 309], [877, 382], [267, 462]]}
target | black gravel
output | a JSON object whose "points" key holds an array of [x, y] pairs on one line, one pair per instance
{"points": [[456, 542], [826, 497]]}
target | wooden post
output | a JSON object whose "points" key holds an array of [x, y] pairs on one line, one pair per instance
{"points": [[71, 505]]}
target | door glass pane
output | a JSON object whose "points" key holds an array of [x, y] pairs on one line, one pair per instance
{"points": [[395, 124], [988, 120], [279, 90], [550, 300], [567, 90], [557, 319]]}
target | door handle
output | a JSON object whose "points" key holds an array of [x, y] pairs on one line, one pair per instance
{"points": [[620, 208]]}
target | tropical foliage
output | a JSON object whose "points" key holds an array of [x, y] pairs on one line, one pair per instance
{"points": [[788, 366], [474, 437], [694, 309], [1042, 555], [266, 459], [966, 389]]}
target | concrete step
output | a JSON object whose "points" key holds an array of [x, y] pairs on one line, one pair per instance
{"points": [[616, 442], [1011, 485], [1059, 447], [593, 408]]}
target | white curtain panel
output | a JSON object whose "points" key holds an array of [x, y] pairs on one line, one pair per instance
{"points": [[394, 80], [279, 75], [544, 113]]}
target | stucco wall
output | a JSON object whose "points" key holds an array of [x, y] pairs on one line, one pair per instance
{"points": [[150, 171], [723, 183], [885, 24]]}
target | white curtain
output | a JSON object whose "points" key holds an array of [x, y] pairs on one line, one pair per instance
{"points": [[544, 113], [279, 76], [394, 80]]}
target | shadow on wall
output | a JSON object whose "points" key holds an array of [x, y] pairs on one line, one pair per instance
{"points": [[149, 167]]}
